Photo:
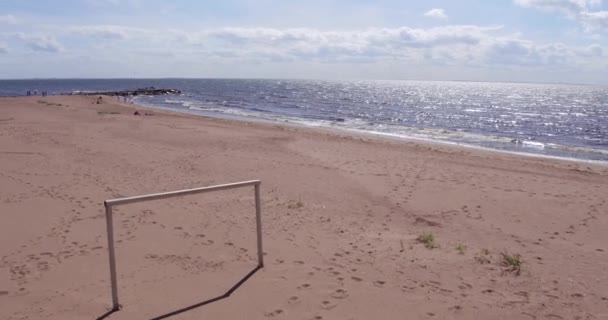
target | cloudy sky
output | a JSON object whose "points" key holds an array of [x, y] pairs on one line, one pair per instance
{"points": [[498, 40]]}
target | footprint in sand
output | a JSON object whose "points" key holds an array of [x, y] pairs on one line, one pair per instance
{"points": [[274, 313], [3, 293], [328, 305], [293, 299], [455, 308], [405, 288], [465, 286], [304, 286], [340, 294], [379, 283], [42, 266], [356, 279]]}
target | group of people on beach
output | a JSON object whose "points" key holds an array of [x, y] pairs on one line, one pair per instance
{"points": [[123, 97], [35, 93]]}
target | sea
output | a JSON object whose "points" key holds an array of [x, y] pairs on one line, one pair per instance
{"points": [[550, 120]]}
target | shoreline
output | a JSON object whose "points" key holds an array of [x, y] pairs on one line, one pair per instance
{"points": [[381, 135], [568, 134]]}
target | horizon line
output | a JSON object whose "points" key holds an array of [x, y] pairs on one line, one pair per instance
{"points": [[292, 79]]}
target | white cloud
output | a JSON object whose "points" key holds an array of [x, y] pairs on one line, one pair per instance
{"points": [[40, 42], [527, 53], [8, 19], [595, 20], [593, 50], [567, 6], [113, 2], [436, 13], [454, 46], [447, 45], [375, 41], [108, 32], [579, 10]]}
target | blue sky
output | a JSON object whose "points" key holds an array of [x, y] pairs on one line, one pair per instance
{"points": [[508, 40]]}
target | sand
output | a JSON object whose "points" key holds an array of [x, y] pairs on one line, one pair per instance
{"points": [[341, 215]]}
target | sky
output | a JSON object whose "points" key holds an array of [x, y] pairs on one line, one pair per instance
{"points": [[564, 41]]}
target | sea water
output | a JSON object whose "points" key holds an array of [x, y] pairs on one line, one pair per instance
{"points": [[545, 119]]}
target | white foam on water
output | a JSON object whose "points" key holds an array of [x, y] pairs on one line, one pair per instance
{"points": [[471, 146], [533, 144], [528, 114]]}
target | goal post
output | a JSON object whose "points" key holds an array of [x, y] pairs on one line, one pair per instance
{"points": [[109, 204]]}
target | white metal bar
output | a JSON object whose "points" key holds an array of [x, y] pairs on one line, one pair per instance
{"points": [[156, 196], [258, 223], [120, 201], [110, 226]]}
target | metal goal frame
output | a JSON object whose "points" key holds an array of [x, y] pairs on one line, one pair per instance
{"points": [[109, 204]]}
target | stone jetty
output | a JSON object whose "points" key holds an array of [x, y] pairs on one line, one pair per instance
{"points": [[151, 91]]}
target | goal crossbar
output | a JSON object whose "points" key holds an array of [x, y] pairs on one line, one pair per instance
{"points": [[109, 204]]}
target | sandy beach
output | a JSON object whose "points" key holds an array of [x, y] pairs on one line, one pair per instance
{"points": [[342, 215]]}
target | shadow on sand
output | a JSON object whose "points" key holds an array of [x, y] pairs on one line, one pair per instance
{"points": [[198, 305]]}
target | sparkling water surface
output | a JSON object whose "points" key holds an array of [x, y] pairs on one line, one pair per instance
{"points": [[549, 119]]}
